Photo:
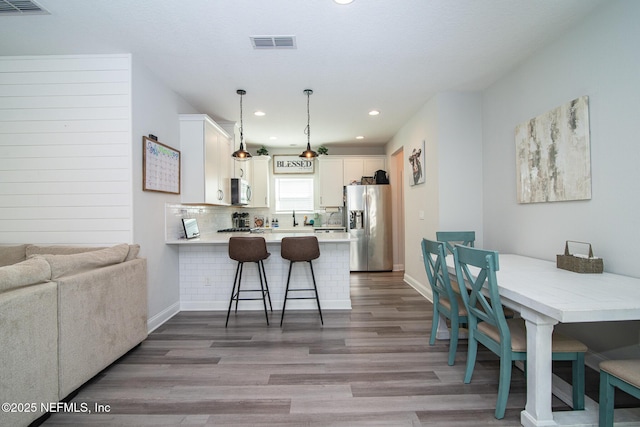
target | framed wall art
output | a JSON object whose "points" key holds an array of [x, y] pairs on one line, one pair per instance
{"points": [[416, 164], [160, 167], [291, 164], [553, 160]]}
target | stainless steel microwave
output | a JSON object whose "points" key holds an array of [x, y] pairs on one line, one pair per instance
{"points": [[240, 192]]}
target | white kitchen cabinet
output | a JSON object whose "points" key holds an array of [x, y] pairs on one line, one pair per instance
{"points": [[225, 168], [243, 169], [206, 161], [373, 164], [260, 182], [357, 167], [353, 170], [330, 182]]}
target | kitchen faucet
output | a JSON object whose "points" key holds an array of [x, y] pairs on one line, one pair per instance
{"points": [[294, 219]]}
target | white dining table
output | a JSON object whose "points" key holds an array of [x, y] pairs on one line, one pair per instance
{"points": [[544, 296]]}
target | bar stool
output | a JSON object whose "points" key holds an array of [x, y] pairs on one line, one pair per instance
{"points": [[299, 249], [249, 249]]}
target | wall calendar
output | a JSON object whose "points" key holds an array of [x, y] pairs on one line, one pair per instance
{"points": [[160, 167]]}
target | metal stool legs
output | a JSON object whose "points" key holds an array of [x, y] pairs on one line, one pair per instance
{"points": [[315, 289], [264, 290]]}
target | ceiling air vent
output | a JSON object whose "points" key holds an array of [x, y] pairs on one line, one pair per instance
{"points": [[273, 42], [21, 7]]}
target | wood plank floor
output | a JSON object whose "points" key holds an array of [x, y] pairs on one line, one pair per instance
{"points": [[371, 366]]}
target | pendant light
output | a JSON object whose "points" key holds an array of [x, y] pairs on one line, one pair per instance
{"points": [[241, 154], [308, 153]]}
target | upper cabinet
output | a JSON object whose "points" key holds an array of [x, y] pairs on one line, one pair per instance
{"points": [[357, 167], [260, 181], [243, 169], [330, 181], [206, 150], [338, 171]]}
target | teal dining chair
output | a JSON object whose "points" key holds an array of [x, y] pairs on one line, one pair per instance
{"points": [[445, 300], [505, 337], [621, 374], [450, 238]]}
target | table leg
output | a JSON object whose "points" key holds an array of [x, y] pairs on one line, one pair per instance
{"points": [[537, 411], [443, 331]]}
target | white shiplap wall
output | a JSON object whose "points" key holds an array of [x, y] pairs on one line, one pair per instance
{"points": [[66, 149]]}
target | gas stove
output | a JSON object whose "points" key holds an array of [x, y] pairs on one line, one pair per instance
{"points": [[234, 229]]}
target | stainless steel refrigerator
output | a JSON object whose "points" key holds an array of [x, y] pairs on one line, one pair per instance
{"points": [[368, 219]]}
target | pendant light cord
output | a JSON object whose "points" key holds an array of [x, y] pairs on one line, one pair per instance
{"points": [[307, 130], [241, 124]]}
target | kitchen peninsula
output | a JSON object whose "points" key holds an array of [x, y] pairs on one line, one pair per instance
{"points": [[207, 272]]}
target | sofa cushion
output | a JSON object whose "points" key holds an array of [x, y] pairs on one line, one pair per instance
{"points": [[59, 250], [134, 250], [28, 272], [12, 254], [66, 265]]}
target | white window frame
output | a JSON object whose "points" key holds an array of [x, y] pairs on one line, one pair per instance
{"points": [[288, 204]]}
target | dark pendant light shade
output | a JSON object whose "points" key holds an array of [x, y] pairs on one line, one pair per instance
{"points": [[241, 153], [308, 153]]}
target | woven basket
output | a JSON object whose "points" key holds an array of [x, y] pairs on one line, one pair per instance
{"points": [[570, 262], [367, 180]]}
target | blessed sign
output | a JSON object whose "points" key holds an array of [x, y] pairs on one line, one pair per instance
{"points": [[292, 164]]}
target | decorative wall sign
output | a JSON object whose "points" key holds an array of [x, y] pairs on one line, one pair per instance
{"points": [[160, 167], [416, 164], [291, 164], [553, 160]]}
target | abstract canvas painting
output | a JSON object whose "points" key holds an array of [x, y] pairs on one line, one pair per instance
{"points": [[416, 164], [553, 160]]}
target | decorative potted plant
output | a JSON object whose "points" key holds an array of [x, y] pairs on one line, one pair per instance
{"points": [[262, 151], [323, 150]]}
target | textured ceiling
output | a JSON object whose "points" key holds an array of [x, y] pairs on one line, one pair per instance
{"points": [[388, 55]]}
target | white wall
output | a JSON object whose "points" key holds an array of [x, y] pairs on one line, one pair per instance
{"points": [[460, 162], [155, 111], [451, 126], [598, 58], [65, 149]]}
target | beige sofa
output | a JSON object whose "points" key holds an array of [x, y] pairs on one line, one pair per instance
{"points": [[66, 313]]}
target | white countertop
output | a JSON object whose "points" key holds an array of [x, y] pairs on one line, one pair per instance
{"points": [[269, 237]]}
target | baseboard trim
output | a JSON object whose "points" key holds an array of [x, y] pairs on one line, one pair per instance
{"points": [[398, 267], [423, 289], [156, 321]]}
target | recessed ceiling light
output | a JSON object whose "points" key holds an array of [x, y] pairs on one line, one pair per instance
{"points": [[259, 113], [293, 145], [273, 138], [359, 137], [374, 112], [343, 1]]}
